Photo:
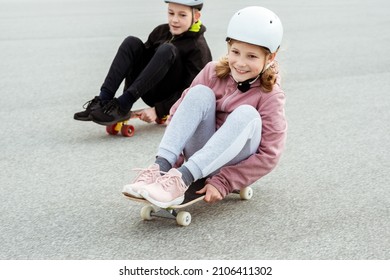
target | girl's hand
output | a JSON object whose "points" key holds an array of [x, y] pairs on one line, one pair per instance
{"points": [[148, 115], [212, 194]]}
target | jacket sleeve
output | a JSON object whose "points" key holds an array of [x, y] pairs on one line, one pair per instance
{"points": [[246, 172]]}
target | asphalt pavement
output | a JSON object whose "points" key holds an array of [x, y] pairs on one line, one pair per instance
{"points": [[61, 180]]}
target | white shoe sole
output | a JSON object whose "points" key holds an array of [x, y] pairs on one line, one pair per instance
{"points": [[160, 204], [129, 192]]}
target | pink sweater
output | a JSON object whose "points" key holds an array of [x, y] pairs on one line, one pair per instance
{"points": [[274, 127]]}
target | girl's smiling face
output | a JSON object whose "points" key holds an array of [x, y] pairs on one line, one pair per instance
{"points": [[180, 18], [246, 61]]}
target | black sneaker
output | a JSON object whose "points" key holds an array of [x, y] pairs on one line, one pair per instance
{"points": [[89, 107], [110, 114]]}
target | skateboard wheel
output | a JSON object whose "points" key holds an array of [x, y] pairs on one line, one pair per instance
{"points": [[146, 212], [127, 130], [246, 193], [162, 120], [111, 129], [183, 218]]}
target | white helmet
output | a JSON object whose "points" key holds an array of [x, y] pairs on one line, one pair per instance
{"points": [[197, 4], [257, 26]]}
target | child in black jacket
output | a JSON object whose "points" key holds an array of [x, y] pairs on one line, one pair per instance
{"points": [[157, 71]]}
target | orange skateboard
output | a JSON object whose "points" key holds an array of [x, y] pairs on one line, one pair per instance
{"points": [[127, 129], [183, 218]]}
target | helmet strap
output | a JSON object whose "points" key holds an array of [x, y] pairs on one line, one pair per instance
{"points": [[246, 85], [266, 66]]}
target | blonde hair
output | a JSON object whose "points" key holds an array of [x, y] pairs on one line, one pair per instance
{"points": [[267, 78]]}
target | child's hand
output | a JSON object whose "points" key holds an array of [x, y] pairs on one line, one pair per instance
{"points": [[148, 115], [212, 194]]}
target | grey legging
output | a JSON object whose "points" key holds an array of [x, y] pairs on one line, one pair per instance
{"points": [[192, 131]]}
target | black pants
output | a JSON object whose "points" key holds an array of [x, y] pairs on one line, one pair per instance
{"points": [[153, 75]]}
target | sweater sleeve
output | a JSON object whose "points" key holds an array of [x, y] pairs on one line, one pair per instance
{"points": [[246, 172]]}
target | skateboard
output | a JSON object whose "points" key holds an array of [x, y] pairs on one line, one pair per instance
{"points": [[183, 218], [126, 129]]}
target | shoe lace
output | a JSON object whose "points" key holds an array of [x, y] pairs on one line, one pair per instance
{"points": [[145, 174], [89, 103], [170, 181], [110, 106]]}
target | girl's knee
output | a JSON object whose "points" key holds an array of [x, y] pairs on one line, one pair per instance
{"points": [[247, 111], [244, 115], [201, 92], [202, 99]]}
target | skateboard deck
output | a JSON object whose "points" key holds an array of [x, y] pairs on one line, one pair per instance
{"points": [[185, 203], [127, 129], [183, 218]]}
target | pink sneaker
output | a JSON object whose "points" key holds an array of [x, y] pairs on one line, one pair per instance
{"points": [[168, 190], [144, 178]]}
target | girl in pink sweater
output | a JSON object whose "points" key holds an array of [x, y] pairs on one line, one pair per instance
{"points": [[229, 125]]}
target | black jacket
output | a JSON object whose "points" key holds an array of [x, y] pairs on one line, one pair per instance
{"points": [[193, 51]]}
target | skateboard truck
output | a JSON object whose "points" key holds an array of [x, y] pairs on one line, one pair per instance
{"points": [[128, 130], [183, 218]]}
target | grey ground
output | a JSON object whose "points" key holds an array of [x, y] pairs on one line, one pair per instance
{"points": [[61, 180]]}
